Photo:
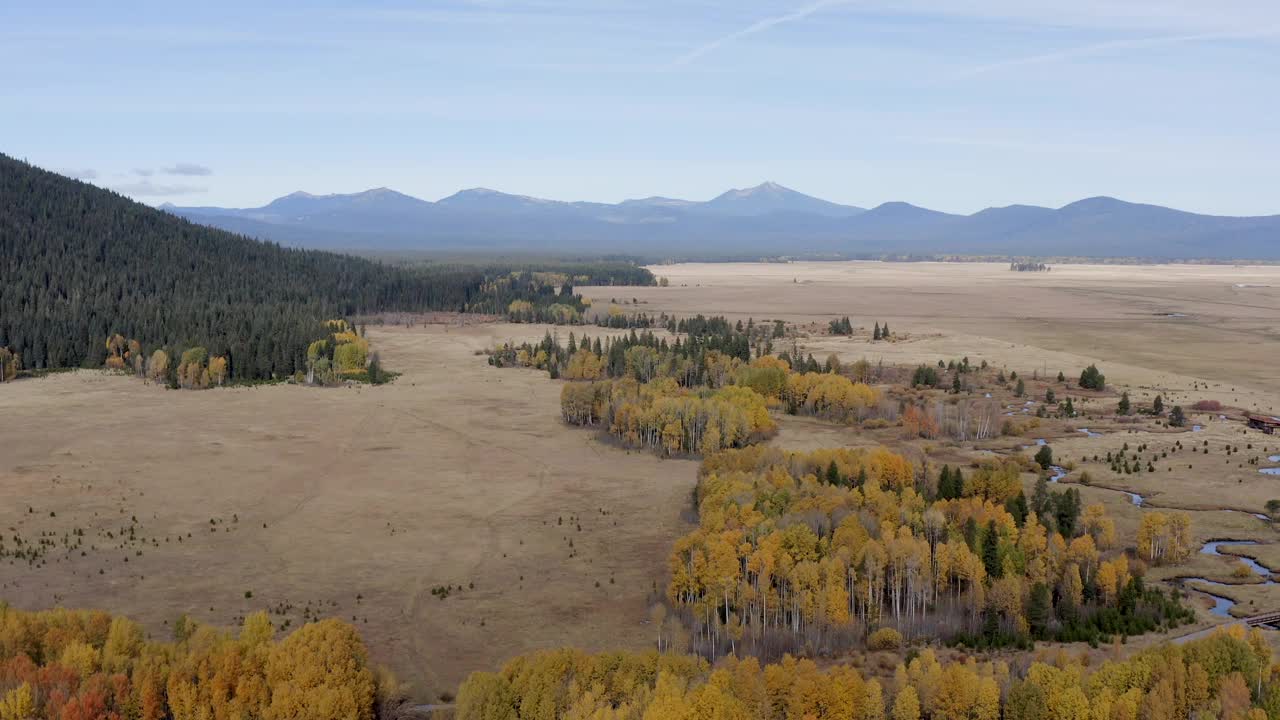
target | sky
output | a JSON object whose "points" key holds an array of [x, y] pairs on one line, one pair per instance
{"points": [[955, 105]]}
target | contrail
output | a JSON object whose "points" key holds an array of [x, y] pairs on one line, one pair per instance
{"points": [[760, 26], [1134, 44]]}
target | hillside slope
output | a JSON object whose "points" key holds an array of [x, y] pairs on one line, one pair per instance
{"points": [[79, 264]]}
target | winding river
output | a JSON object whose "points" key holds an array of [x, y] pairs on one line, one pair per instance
{"points": [[1222, 605]]}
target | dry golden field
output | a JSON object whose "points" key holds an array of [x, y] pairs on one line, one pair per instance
{"points": [[359, 502], [356, 502], [1123, 316]]}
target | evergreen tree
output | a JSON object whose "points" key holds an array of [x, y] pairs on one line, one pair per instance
{"points": [[1044, 456], [1066, 511], [1040, 498], [1017, 507], [1124, 407], [1039, 610], [991, 551], [1092, 379], [1176, 417], [970, 532], [1158, 405], [1021, 389]]}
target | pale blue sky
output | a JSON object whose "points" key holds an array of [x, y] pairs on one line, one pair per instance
{"points": [[951, 104]]}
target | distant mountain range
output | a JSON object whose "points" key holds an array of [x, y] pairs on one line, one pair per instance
{"points": [[767, 219]]}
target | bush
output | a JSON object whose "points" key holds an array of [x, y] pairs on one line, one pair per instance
{"points": [[885, 639]]}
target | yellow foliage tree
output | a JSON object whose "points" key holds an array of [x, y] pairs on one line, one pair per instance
{"points": [[10, 363], [320, 672], [18, 704]]}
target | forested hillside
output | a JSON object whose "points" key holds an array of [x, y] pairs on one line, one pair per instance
{"points": [[81, 264]]}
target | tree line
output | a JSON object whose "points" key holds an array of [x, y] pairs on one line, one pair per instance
{"points": [[88, 665], [702, 353], [1229, 675]]}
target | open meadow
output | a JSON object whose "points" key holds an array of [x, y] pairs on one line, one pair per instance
{"points": [[1150, 324], [457, 521], [354, 503]]}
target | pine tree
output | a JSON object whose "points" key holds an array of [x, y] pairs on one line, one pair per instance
{"points": [[948, 484], [1124, 407], [1017, 507], [1176, 418], [1158, 405], [991, 551], [1092, 379], [1021, 389], [1040, 497], [1039, 609], [1044, 456]]}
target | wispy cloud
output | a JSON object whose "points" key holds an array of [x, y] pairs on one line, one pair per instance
{"points": [[84, 174], [191, 169], [143, 172], [756, 27], [1117, 45], [146, 188]]}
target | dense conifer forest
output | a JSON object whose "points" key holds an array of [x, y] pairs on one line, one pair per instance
{"points": [[81, 264]]}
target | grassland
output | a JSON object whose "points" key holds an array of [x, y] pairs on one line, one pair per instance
{"points": [[360, 502], [354, 503]]}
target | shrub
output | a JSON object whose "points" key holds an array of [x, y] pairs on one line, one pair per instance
{"points": [[885, 639]]}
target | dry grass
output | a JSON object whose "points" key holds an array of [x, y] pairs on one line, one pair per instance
{"points": [[455, 474], [356, 503]]}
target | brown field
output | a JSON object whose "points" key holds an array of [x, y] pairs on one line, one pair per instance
{"points": [[358, 502], [1112, 314], [454, 474]]}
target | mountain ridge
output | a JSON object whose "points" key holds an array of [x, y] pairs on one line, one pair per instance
{"points": [[768, 218]]}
